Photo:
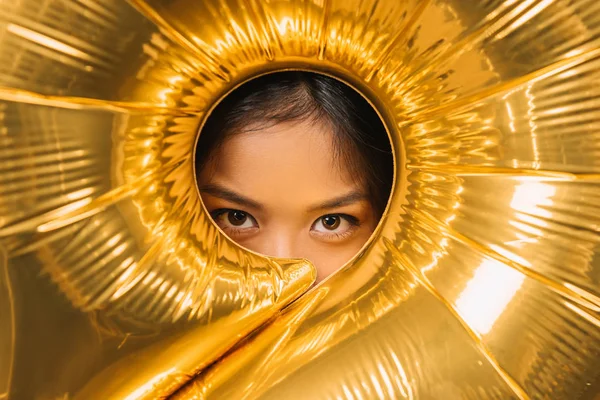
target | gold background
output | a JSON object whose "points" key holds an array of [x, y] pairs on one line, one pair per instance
{"points": [[482, 280]]}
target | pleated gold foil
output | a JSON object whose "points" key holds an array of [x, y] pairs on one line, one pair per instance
{"points": [[482, 280]]}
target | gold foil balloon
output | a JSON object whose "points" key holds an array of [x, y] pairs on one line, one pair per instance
{"points": [[481, 282]]}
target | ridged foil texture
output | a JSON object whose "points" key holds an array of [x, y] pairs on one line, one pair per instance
{"points": [[482, 280]]}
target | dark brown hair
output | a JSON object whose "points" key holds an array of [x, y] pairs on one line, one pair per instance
{"points": [[360, 140]]}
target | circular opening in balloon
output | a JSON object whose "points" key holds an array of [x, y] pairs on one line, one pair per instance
{"points": [[296, 164]]}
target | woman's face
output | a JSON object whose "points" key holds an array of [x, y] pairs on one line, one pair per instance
{"points": [[279, 191]]}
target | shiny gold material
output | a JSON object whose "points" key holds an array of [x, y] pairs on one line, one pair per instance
{"points": [[481, 282]]}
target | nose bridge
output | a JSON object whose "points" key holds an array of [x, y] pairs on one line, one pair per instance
{"points": [[280, 243]]}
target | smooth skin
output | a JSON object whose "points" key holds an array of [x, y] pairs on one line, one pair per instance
{"points": [[280, 191]]}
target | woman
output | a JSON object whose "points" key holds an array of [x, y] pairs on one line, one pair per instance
{"points": [[297, 165]]}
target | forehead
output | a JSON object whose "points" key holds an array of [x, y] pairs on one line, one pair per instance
{"points": [[293, 162]]}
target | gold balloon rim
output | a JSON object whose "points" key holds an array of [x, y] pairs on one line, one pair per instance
{"points": [[185, 223]]}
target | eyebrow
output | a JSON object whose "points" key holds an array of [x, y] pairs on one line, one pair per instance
{"points": [[227, 194], [341, 201]]}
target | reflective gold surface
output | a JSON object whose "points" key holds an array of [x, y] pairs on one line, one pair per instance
{"points": [[482, 281]]}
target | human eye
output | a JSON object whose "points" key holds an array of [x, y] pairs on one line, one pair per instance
{"points": [[334, 227], [234, 222]]}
